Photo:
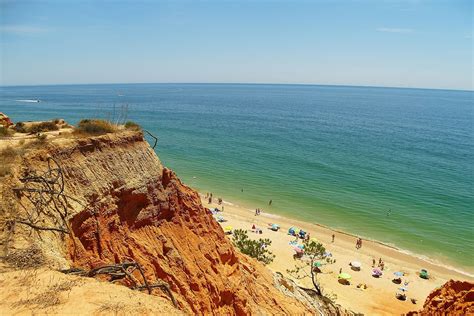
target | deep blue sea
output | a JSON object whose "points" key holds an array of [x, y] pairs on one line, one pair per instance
{"points": [[339, 156]]}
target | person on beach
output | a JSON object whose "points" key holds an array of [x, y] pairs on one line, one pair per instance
{"points": [[382, 265], [340, 270], [360, 243], [209, 200], [357, 243], [373, 263], [380, 261], [333, 237], [256, 211]]}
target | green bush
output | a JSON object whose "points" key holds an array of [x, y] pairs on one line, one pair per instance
{"points": [[254, 248], [133, 126], [95, 127]]}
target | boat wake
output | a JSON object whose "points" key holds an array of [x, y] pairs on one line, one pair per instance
{"points": [[29, 100]]}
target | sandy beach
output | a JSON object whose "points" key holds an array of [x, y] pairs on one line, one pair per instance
{"points": [[379, 298]]}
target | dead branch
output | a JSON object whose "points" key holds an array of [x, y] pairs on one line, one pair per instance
{"points": [[43, 228], [46, 192], [121, 271], [153, 136]]}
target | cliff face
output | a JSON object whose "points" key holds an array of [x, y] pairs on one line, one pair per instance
{"points": [[124, 206], [453, 298]]}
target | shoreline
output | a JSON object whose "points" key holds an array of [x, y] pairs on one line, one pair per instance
{"points": [[379, 297], [429, 260]]}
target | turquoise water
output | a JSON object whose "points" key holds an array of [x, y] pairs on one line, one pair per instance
{"points": [[340, 156]]}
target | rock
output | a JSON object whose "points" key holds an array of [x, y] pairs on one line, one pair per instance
{"points": [[453, 298], [5, 120]]}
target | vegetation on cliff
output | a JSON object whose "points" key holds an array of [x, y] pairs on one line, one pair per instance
{"points": [[257, 249], [94, 127], [315, 252]]}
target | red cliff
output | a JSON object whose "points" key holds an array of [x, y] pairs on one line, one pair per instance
{"points": [[453, 298]]}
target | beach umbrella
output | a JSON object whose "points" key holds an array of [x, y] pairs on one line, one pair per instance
{"points": [[220, 218], [301, 246], [344, 276], [327, 254], [291, 231], [317, 264], [228, 229], [399, 274], [275, 226], [403, 288], [314, 240], [356, 264], [298, 249], [376, 272]]}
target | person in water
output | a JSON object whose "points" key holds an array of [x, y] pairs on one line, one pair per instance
{"points": [[270, 202]]}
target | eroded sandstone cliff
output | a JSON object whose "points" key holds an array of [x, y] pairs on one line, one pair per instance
{"points": [[122, 205], [453, 298]]}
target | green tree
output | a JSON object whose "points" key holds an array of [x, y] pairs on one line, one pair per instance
{"points": [[257, 249], [306, 268]]}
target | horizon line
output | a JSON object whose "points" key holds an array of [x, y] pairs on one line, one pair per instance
{"points": [[234, 83]]}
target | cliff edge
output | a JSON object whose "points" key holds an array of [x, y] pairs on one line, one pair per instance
{"points": [[107, 201]]}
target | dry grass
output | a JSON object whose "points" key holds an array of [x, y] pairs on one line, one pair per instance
{"points": [[8, 154], [48, 298], [5, 170], [7, 158], [94, 127], [28, 278], [31, 257], [112, 307]]}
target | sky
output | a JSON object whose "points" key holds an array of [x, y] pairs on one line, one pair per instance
{"points": [[426, 44]]}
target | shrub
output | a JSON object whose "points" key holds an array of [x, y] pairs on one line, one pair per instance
{"points": [[41, 138], [5, 132], [8, 153], [254, 248], [133, 126], [42, 127], [20, 127], [95, 127]]}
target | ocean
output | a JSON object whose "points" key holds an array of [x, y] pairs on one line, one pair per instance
{"points": [[390, 164]]}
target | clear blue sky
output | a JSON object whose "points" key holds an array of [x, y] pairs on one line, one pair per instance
{"points": [[379, 43]]}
